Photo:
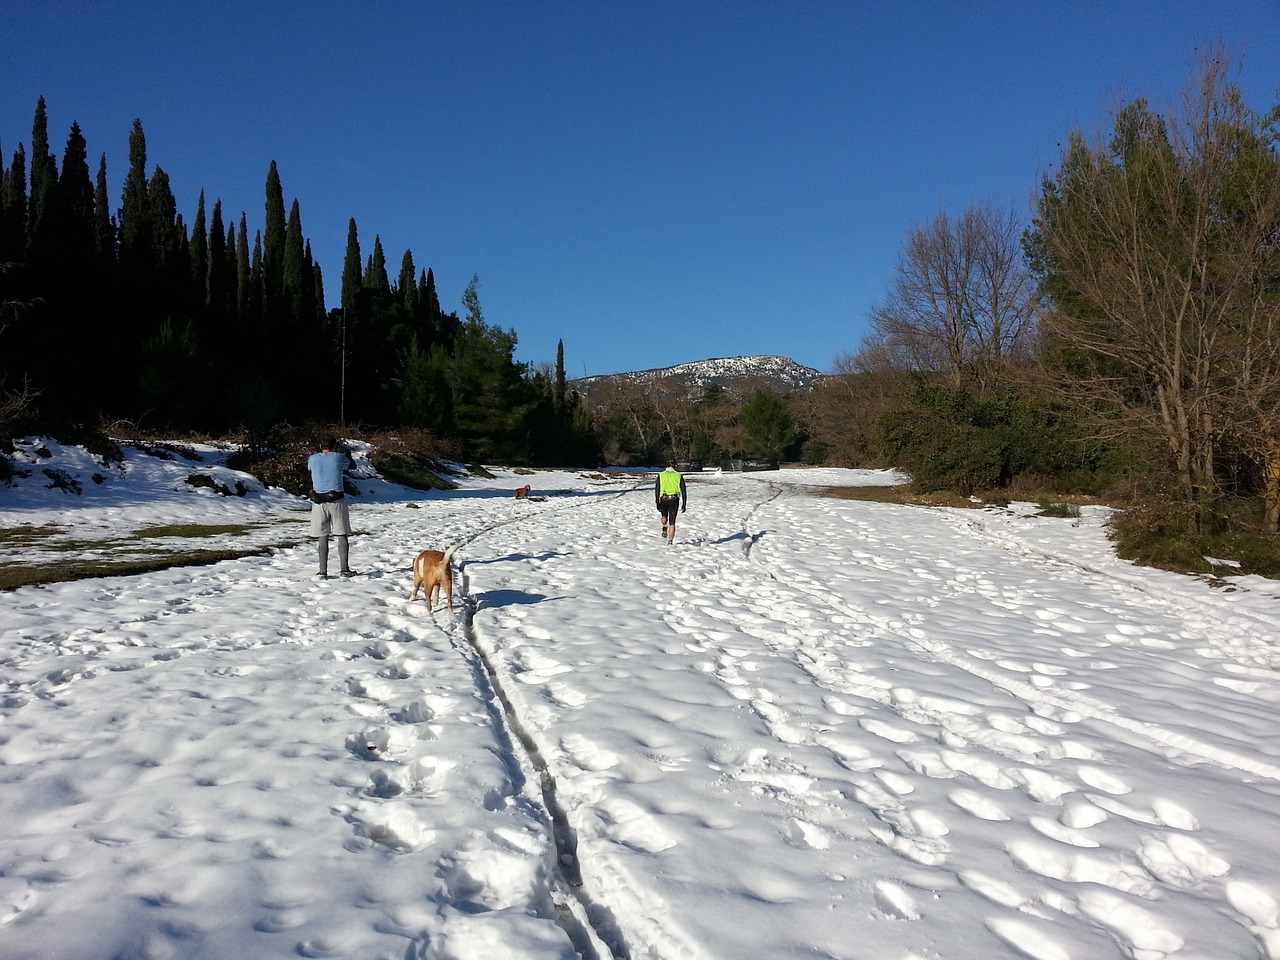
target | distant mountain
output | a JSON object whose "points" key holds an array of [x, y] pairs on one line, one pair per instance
{"points": [[736, 375]]}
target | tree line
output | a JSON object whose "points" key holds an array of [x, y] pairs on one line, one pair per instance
{"points": [[130, 315], [1121, 338], [1124, 342]]}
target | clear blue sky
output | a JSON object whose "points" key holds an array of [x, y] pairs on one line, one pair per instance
{"points": [[652, 182]]}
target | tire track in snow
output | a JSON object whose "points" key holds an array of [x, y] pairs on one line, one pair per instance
{"points": [[589, 925]]}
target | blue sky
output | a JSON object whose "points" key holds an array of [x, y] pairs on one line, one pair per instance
{"points": [[651, 182]]}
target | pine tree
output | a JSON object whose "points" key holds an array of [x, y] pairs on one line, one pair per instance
{"points": [[490, 399]]}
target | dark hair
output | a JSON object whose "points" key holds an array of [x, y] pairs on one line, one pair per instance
{"points": [[329, 443]]}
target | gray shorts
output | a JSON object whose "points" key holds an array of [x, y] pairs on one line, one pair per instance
{"points": [[330, 519]]}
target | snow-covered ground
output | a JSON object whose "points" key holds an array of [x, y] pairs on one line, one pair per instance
{"points": [[810, 728]]}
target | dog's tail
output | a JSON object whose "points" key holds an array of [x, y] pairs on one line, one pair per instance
{"points": [[448, 554]]}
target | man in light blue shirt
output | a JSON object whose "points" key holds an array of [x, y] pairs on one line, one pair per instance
{"points": [[329, 517]]}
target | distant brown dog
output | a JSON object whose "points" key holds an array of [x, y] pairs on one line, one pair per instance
{"points": [[431, 571], [522, 493]]}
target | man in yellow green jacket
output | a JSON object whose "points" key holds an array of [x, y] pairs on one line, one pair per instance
{"points": [[671, 497]]}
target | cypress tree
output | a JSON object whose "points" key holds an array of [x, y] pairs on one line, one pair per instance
{"points": [[406, 286], [4, 175], [376, 276], [244, 282], [319, 290], [200, 247], [296, 283], [312, 308], [257, 283], [15, 205], [430, 298], [76, 203], [135, 217], [352, 275], [104, 230], [273, 250], [42, 217], [558, 398], [217, 278], [73, 295], [172, 276]]}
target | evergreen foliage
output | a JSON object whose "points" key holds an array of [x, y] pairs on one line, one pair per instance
{"points": [[961, 439], [768, 429]]}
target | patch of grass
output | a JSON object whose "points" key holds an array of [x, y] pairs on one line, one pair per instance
{"points": [[12, 577], [20, 536], [194, 529]]}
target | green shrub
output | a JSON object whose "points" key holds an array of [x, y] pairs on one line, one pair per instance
{"points": [[1172, 535], [410, 470], [287, 471], [952, 438]]}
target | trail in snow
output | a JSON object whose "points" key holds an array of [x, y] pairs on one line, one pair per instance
{"points": [[1009, 733]]}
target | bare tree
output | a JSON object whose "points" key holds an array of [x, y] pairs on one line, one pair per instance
{"points": [[1159, 252], [841, 414], [962, 303]]}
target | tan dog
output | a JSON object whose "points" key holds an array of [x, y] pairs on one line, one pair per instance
{"points": [[431, 571], [522, 493]]}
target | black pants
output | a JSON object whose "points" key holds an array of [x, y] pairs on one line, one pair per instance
{"points": [[669, 506]]}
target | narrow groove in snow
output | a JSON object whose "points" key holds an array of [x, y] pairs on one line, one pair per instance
{"points": [[590, 925]]}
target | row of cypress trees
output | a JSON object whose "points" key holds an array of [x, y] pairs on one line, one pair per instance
{"points": [[129, 313]]}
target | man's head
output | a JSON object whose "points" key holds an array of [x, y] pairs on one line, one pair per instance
{"points": [[328, 443]]}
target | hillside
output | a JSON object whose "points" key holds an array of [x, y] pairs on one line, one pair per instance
{"points": [[734, 374]]}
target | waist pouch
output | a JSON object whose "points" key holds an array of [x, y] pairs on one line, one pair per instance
{"points": [[331, 496]]}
